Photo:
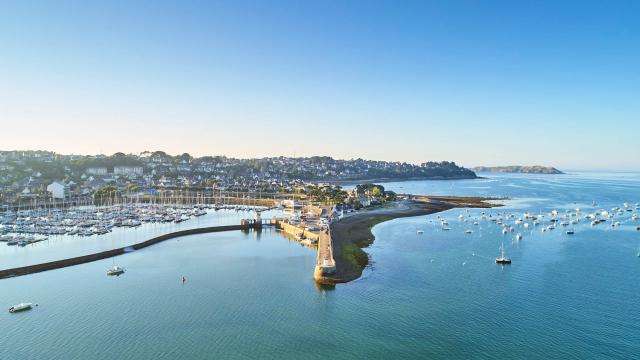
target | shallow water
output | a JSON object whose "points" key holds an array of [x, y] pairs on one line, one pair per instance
{"points": [[438, 295]]}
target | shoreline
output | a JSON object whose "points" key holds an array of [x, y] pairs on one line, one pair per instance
{"points": [[401, 179], [352, 234]]}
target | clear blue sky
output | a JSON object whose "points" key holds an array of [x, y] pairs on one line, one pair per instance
{"points": [[476, 82]]}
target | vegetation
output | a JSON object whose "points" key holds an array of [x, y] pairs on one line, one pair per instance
{"points": [[326, 194]]}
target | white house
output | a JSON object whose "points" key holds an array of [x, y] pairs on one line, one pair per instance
{"points": [[57, 189], [99, 171], [131, 171]]}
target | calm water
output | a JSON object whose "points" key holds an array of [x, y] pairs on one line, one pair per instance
{"points": [[438, 295], [65, 246]]}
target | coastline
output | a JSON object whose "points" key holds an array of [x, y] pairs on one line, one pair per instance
{"points": [[352, 234], [399, 179]]}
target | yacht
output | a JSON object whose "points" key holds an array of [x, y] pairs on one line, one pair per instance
{"points": [[115, 270], [20, 307], [502, 259]]}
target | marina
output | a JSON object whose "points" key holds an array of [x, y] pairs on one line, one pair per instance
{"points": [[25, 227], [410, 277], [328, 179]]}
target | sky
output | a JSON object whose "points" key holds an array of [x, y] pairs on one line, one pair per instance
{"points": [[476, 82]]}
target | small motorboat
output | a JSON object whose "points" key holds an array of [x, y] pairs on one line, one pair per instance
{"points": [[20, 307], [115, 270], [519, 237], [420, 232], [468, 232], [570, 232]]}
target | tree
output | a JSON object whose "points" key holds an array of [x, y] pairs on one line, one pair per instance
{"points": [[377, 191]]}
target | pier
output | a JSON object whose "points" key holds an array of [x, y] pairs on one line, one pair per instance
{"points": [[58, 264], [325, 264]]}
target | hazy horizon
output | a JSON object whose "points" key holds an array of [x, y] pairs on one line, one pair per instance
{"points": [[477, 83]]}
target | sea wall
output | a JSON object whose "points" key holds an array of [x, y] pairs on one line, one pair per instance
{"points": [[294, 230], [30, 269]]}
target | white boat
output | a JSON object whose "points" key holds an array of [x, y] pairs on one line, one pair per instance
{"points": [[420, 232], [20, 307], [115, 270], [519, 237]]}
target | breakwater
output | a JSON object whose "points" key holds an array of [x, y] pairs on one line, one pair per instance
{"points": [[31, 269]]}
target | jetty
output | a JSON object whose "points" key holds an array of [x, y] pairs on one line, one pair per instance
{"points": [[325, 264]]}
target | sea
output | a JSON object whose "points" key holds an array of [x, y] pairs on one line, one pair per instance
{"points": [[428, 293]]}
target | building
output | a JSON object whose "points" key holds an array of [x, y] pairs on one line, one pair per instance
{"points": [[130, 171], [96, 171], [58, 190]]}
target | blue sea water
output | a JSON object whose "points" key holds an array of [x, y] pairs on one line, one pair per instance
{"points": [[436, 295]]}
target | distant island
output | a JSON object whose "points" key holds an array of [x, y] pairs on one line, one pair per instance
{"points": [[516, 169]]}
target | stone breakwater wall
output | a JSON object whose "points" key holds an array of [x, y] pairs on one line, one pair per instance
{"points": [[30, 269]]}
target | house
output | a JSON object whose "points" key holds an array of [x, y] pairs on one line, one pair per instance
{"points": [[58, 190], [129, 171], [96, 171]]}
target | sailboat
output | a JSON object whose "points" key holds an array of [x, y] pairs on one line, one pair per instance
{"points": [[502, 259], [115, 270]]}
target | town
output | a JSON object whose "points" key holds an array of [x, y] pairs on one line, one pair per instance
{"points": [[43, 178]]}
